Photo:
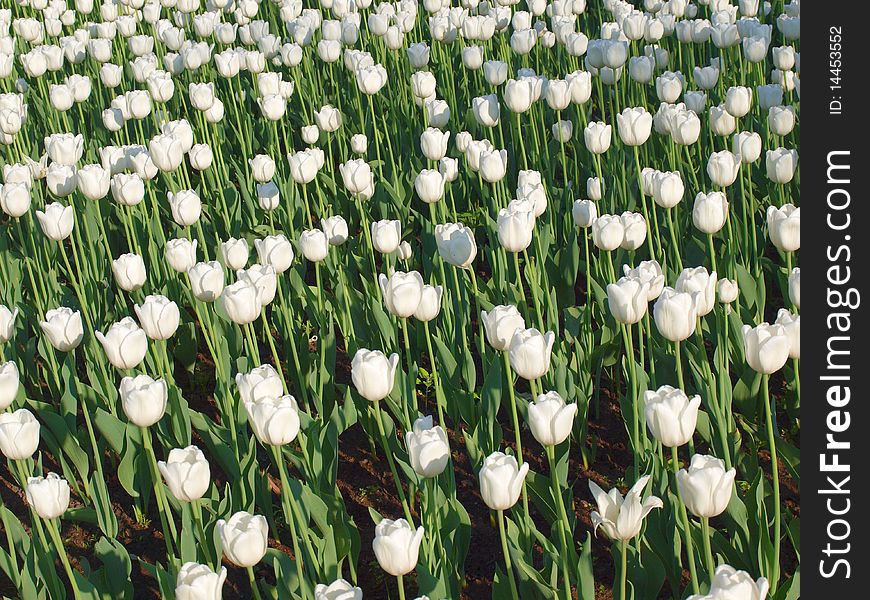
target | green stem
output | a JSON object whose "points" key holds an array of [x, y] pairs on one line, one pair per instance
{"points": [[392, 463], [253, 581], [774, 462], [690, 546], [507, 555], [58, 544], [708, 550]]}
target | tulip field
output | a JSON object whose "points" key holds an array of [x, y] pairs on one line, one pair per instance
{"points": [[343, 299]]}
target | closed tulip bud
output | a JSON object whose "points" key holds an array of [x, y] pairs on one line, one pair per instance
{"points": [[515, 226], [669, 86], [747, 146], [721, 122], [310, 134], [186, 207], [339, 589], [273, 250], [335, 229], [359, 143], [701, 285], [675, 314], [314, 245], [180, 254], [781, 164], [328, 119], [634, 230], [486, 110], [167, 152], [784, 227], [63, 328], [15, 199], [551, 419], [781, 119], [738, 101], [430, 303], [584, 213], [706, 77], [728, 582], [429, 185], [706, 487], [493, 165], [456, 244], [128, 189], [668, 188], [791, 323], [501, 480], [9, 383], [501, 323], [262, 168], [634, 125], [593, 188], [519, 94], [722, 168], [627, 299], [7, 323], [244, 538], [357, 175], [495, 72], [19, 434], [373, 374], [608, 232], [710, 212], [235, 253], [621, 518], [671, 415], [397, 546], [129, 272], [433, 143], [428, 448], [241, 302], [275, 420], [93, 181], [64, 148], [200, 156], [695, 101], [386, 236], [794, 287], [187, 473], [57, 221], [268, 196], [158, 317], [262, 277], [597, 136], [199, 582], [766, 347], [768, 96], [402, 292], [48, 496], [143, 399], [728, 290], [529, 352], [641, 69], [472, 57]]}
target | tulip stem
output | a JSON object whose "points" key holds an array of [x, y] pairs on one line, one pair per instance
{"points": [[288, 511], [439, 393], [708, 551], [623, 575], [392, 463], [507, 555], [254, 588], [774, 465], [564, 525], [58, 544], [517, 437], [166, 521], [690, 546], [196, 507], [631, 386], [412, 387], [401, 585]]}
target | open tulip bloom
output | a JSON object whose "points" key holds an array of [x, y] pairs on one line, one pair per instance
{"points": [[285, 279]]}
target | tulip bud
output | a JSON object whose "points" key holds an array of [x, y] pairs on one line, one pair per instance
{"points": [[671, 415], [335, 229], [433, 143], [722, 168], [180, 254], [314, 245], [634, 125], [721, 122], [781, 165], [747, 146], [738, 101], [648, 272], [668, 188], [675, 314], [710, 212], [63, 328], [728, 290], [158, 317], [608, 232], [19, 434], [429, 185], [551, 419], [9, 383], [373, 374], [48, 496], [125, 343], [199, 582], [621, 518], [402, 292], [766, 347], [501, 480], [359, 143], [597, 136], [428, 448], [143, 399], [430, 303], [794, 287], [397, 546], [627, 299], [456, 244], [386, 236], [706, 487], [14, 199], [728, 582], [129, 272], [515, 227], [186, 207], [244, 538], [593, 188], [784, 227], [57, 221], [274, 251], [187, 473], [275, 420], [7, 323], [529, 352], [262, 168]]}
